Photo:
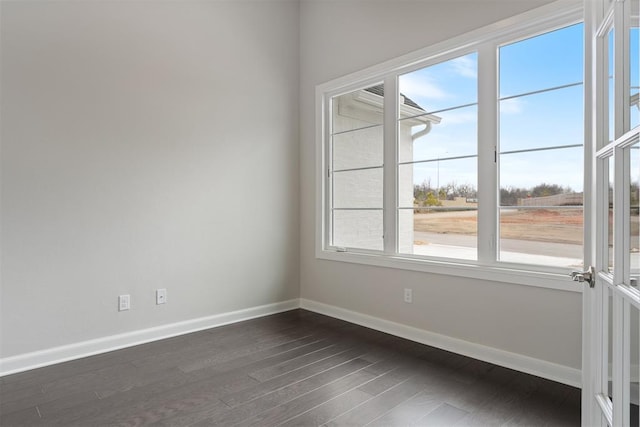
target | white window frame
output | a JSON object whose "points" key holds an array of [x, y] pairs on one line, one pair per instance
{"points": [[486, 41]]}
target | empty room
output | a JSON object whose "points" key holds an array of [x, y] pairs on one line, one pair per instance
{"points": [[319, 212]]}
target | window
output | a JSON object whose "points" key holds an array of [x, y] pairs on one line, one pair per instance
{"points": [[466, 154]]}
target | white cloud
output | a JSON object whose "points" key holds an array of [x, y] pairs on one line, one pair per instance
{"points": [[456, 118], [421, 87], [465, 67], [511, 106]]}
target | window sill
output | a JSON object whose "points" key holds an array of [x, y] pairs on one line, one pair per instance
{"points": [[506, 274]]}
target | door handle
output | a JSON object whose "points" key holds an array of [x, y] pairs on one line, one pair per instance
{"points": [[588, 276]]}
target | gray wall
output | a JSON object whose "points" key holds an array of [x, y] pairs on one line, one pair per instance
{"points": [[340, 37], [155, 144], [145, 144]]}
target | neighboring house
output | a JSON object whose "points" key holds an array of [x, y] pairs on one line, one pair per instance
{"points": [[357, 156]]}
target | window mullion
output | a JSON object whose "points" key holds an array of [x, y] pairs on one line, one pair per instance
{"points": [[390, 194], [487, 157]]}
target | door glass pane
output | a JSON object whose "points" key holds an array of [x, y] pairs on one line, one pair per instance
{"points": [[635, 369], [610, 84], [634, 359], [438, 160], [634, 64], [608, 330], [634, 207], [610, 224]]}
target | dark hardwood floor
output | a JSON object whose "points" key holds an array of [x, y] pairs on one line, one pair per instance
{"points": [[294, 369]]}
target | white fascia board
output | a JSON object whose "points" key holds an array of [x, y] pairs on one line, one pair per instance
{"points": [[406, 111]]}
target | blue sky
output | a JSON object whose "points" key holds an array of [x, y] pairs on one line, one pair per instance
{"points": [[531, 121]]}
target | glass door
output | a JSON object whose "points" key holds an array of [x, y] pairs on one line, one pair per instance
{"points": [[613, 304]]}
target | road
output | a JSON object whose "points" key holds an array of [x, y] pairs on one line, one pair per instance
{"points": [[521, 251]]}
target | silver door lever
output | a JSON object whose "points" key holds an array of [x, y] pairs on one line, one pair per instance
{"points": [[585, 276]]}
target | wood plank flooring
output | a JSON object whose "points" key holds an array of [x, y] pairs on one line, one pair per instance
{"points": [[292, 369]]}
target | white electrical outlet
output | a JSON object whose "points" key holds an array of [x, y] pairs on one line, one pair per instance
{"points": [[161, 296], [408, 295], [124, 302]]}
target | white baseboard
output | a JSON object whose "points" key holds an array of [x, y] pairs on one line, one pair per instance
{"points": [[552, 371], [541, 368], [37, 359]]}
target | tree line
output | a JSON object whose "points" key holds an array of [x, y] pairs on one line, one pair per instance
{"points": [[426, 195]]}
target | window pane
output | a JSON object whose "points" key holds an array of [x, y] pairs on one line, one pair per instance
{"points": [[358, 229], [542, 120], [357, 109], [356, 169], [437, 151], [357, 149], [544, 236], [454, 134], [439, 217], [541, 215], [525, 66], [441, 86], [448, 232], [536, 174], [541, 150], [358, 189], [438, 181]]}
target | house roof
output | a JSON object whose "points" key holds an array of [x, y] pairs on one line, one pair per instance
{"points": [[379, 90]]}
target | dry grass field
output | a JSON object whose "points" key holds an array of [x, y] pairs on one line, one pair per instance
{"points": [[541, 225]]}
